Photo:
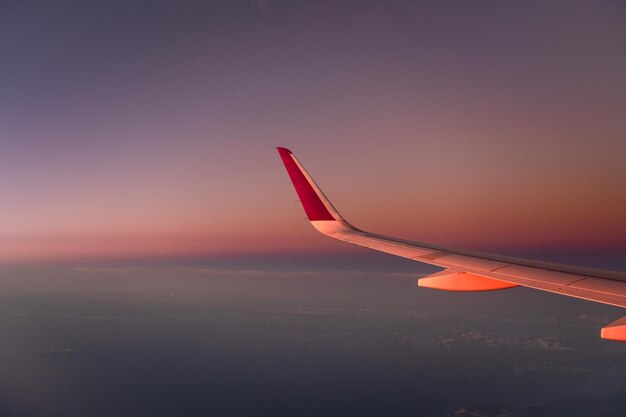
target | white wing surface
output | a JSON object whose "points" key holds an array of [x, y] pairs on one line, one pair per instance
{"points": [[465, 270]]}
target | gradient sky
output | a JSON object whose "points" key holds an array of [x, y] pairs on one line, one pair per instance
{"points": [[145, 129]]}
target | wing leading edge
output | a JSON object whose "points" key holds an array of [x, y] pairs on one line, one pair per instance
{"points": [[464, 270]]}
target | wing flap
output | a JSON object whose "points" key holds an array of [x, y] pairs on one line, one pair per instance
{"points": [[468, 262], [540, 275], [599, 285]]}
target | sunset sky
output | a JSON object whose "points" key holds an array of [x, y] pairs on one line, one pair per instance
{"points": [[155, 261], [133, 130]]}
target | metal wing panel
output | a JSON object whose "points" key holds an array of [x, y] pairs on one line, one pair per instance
{"points": [[601, 290]]}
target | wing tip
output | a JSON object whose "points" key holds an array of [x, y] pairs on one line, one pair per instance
{"points": [[310, 196], [283, 151]]}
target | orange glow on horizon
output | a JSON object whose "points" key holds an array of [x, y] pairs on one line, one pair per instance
{"points": [[418, 128]]}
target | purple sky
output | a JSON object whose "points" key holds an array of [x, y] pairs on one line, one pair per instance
{"points": [[145, 129]]}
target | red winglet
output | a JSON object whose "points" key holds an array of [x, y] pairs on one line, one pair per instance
{"points": [[313, 205]]}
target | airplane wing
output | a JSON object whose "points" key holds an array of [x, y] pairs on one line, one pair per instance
{"points": [[464, 270]]}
